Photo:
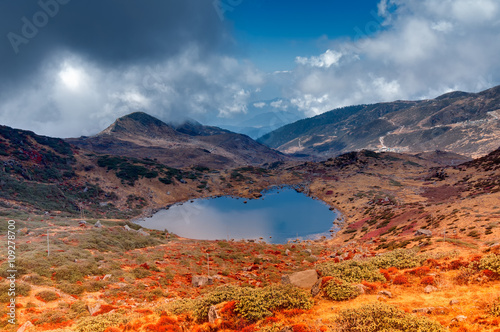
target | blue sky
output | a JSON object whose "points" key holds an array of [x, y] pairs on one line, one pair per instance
{"points": [[272, 33]]}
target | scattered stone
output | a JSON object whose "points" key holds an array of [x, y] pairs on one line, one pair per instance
{"points": [[424, 310], [313, 259], [213, 315], [106, 277], [362, 288], [453, 302], [430, 289], [128, 229], [98, 224], [94, 308], [425, 232], [143, 232], [200, 281], [459, 318], [304, 279], [25, 326], [316, 288], [308, 251], [386, 293], [287, 252]]}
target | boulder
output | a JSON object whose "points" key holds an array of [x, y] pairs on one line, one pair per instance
{"points": [[106, 277], [287, 252], [361, 288], [430, 289], [304, 279], [25, 326], [93, 308], [308, 251], [459, 318], [454, 301], [213, 315], [143, 232], [386, 293], [316, 288], [98, 224], [200, 281], [425, 232], [128, 229]]}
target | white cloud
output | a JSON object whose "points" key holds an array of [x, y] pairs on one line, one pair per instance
{"points": [[424, 49], [80, 98], [259, 105], [326, 60]]}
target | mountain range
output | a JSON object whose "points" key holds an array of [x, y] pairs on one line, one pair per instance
{"points": [[459, 122], [140, 135]]}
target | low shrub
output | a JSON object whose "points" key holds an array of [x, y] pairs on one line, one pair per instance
{"points": [[429, 280], [490, 262], [100, 323], [47, 296], [494, 308], [399, 258], [383, 317], [351, 271], [339, 290], [254, 304], [400, 279]]}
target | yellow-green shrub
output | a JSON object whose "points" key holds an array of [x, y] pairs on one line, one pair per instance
{"points": [[100, 323], [400, 258], [339, 290], [255, 303], [375, 317], [490, 262], [351, 271], [494, 308]]}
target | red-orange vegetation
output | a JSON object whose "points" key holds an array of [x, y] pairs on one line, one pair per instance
{"points": [[228, 309], [489, 274], [323, 328], [292, 312], [164, 324], [420, 271], [372, 287], [400, 279], [325, 280], [429, 280], [143, 311], [456, 264], [112, 329], [105, 308], [431, 262], [386, 274], [301, 328], [476, 258], [392, 270]]}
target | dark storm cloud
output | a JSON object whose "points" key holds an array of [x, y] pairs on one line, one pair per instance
{"points": [[108, 32]]}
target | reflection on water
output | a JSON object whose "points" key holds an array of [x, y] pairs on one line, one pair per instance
{"points": [[280, 214]]}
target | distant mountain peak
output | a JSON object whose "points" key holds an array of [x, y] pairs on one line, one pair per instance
{"points": [[139, 123]]}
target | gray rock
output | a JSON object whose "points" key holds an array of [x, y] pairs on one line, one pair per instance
{"points": [[106, 277], [425, 232], [98, 224], [459, 318], [316, 288], [453, 302], [93, 308], [128, 229], [361, 288], [423, 310], [287, 252], [143, 232], [308, 251], [386, 293], [430, 289], [304, 279], [213, 315], [25, 326], [200, 281]]}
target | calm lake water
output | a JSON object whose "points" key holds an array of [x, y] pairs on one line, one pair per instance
{"points": [[282, 214]]}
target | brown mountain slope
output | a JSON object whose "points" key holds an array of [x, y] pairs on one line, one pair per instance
{"points": [[464, 123], [140, 135]]}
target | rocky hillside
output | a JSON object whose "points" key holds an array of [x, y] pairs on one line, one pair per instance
{"points": [[459, 122], [140, 135]]}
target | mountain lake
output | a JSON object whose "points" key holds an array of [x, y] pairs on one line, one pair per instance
{"points": [[280, 215]]}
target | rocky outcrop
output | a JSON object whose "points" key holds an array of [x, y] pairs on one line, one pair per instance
{"points": [[304, 279]]}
